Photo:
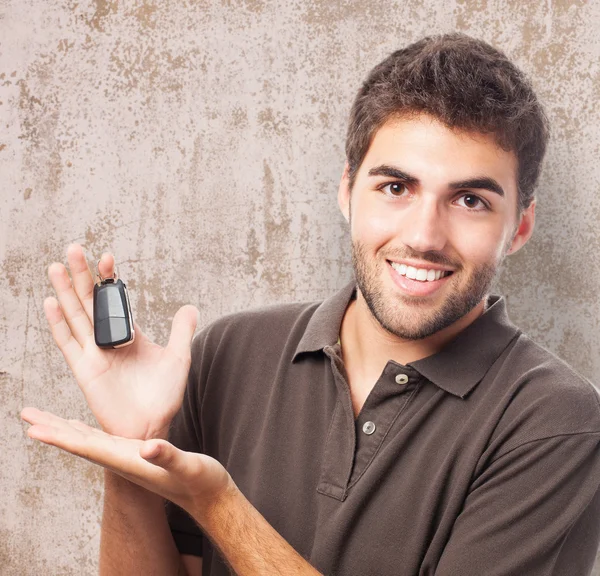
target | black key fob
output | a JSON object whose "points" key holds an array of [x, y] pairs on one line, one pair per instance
{"points": [[113, 322]]}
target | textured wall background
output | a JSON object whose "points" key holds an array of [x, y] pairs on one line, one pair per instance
{"points": [[202, 143]]}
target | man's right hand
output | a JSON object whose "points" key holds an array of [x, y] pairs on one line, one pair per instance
{"points": [[134, 391]]}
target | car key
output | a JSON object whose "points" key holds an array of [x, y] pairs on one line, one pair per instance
{"points": [[113, 321]]}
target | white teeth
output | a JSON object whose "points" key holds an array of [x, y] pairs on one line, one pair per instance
{"points": [[421, 274]]}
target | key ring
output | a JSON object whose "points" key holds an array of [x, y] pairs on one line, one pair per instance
{"points": [[114, 276]]}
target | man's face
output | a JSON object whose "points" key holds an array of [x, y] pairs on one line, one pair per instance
{"points": [[432, 213]]}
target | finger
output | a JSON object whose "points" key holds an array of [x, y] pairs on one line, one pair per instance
{"points": [[75, 442], [82, 427], [83, 281], [74, 314], [81, 440], [164, 454], [45, 425], [106, 265], [182, 332], [70, 348], [35, 416], [44, 418], [43, 433]]}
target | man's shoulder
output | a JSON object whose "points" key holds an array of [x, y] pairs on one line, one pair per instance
{"points": [[546, 369], [548, 396], [268, 326]]}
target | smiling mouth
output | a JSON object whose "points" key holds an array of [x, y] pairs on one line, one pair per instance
{"points": [[419, 274]]}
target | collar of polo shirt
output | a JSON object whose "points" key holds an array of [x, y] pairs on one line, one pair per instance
{"points": [[457, 368]]}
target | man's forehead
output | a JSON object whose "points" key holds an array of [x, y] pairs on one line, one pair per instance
{"points": [[429, 149]]}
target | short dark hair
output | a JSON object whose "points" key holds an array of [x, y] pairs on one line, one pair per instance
{"points": [[464, 83]]}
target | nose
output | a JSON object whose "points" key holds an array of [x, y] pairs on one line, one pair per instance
{"points": [[423, 227]]}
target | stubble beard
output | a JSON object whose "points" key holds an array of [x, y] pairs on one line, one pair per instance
{"points": [[406, 318]]}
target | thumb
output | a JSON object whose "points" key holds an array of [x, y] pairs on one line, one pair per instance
{"points": [[182, 330], [164, 454], [106, 265]]}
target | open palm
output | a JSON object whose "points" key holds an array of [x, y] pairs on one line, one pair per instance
{"points": [[133, 392]]}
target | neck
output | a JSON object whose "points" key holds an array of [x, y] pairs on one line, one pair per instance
{"points": [[367, 346]]}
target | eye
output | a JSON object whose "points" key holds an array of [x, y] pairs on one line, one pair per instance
{"points": [[394, 189], [473, 202]]}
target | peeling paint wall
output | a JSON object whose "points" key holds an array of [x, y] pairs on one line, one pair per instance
{"points": [[202, 143]]}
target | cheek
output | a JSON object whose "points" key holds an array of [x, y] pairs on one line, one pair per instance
{"points": [[478, 245], [373, 227]]}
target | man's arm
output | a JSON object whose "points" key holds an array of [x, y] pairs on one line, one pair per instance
{"points": [[248, 543], [135, 521], [195, 482], [135, 536]]}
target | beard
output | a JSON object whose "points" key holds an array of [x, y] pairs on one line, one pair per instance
{"points": [[413, 318]]}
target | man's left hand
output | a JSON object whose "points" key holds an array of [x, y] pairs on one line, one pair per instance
{"points": [[195, 482]]}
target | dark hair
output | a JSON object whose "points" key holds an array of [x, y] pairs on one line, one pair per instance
{"points": [[465, 84]]}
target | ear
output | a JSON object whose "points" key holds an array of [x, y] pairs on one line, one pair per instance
{"points": [[524, 229], [344, 193]]}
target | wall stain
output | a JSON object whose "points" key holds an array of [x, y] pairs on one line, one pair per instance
{"points": [[254, 6], [104, 9], [276, 221], [64, 45], [146, 15], [12, 266], [253, 253], [25, 345], [136, 65], [272, 122], [333, 12], [39, 119], [30, 496], [239, 117]]}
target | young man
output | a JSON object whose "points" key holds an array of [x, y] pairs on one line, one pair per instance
{"points": [[403, 426]]}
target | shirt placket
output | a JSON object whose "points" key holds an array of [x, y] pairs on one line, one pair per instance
{"points": [[352, 444], [383, 408]]}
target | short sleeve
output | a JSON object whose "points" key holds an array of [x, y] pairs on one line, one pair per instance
{"points": [[185, 433], [534, 510]]}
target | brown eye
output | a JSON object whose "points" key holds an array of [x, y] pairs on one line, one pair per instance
{"points": [[472, 202], [394, 189]]}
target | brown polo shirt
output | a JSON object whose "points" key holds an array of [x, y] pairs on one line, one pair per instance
{"points": [[481, 460]]}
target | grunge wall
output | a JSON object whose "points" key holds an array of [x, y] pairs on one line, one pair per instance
{"points": [[202, 143]]}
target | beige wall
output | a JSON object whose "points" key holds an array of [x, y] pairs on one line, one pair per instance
{"points": [[202, 143]]}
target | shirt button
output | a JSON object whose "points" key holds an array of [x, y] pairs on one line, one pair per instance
{"points": [[401, 379], [369, 428]]}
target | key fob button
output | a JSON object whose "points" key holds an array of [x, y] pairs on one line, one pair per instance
{"points": [[111, 331], [118, 329], [110, 302], [102, 332]]}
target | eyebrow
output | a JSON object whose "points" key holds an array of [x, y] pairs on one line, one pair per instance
{"points": [[393, 172], [479, 183], [482, 183]]}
